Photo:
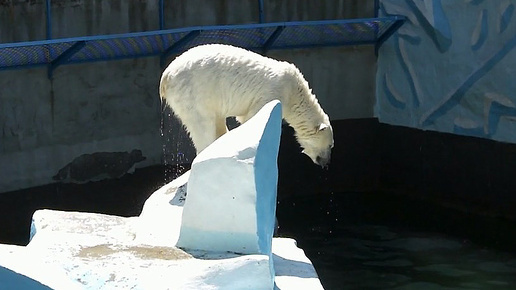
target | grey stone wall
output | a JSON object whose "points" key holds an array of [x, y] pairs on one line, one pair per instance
{"points": [[114, 106]]}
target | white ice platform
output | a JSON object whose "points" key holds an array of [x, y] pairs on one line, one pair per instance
{"points": [[72, 250]]}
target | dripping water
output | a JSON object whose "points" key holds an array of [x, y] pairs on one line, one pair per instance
{"points": [[164, 160], [173, 157]]}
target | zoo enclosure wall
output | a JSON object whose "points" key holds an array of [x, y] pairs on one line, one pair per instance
{"points": [[114, 106]]}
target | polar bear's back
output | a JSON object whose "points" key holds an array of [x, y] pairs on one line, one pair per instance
{"points": [[228, 78]]}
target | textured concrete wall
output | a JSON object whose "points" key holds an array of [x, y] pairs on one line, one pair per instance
{"points": [[100, 107], [342, 78], [114, 106], [22, 20]]}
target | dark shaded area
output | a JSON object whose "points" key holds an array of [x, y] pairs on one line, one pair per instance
{"points": [[98, 166], [354, 162], [469, 174]]}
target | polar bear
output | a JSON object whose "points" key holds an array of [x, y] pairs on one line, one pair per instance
{"points": [[208, 83]]}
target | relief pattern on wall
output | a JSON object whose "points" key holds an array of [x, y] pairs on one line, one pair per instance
{"points": [[451, 67]]}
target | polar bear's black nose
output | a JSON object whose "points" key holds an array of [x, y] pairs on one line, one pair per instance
{"points": [[322, 161]]}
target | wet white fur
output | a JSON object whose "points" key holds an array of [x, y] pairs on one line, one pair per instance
{"points": [[208, 83]]}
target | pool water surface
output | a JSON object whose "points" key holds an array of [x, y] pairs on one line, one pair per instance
{"points": [[380, 241]]}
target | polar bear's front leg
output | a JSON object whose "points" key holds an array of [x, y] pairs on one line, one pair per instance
{"points": [[221, 127], [204, 130]]}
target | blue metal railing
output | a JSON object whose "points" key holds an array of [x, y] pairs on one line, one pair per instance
{"points": [[260, 37]]}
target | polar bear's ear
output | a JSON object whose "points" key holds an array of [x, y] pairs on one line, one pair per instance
{"points": [[322, 127]]}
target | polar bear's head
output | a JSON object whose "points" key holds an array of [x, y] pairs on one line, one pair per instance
{"points": [[318, 145]]}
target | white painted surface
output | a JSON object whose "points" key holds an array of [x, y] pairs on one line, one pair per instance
{"points": [[231, 201]]}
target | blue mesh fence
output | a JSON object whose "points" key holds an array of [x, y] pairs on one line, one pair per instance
{"points": [[250, 38], [165, 42]]}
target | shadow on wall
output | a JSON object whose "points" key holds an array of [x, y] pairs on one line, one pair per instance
{"points": [[98, 166]]}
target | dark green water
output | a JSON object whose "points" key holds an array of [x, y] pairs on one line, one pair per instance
{"points": [[377, 241]]}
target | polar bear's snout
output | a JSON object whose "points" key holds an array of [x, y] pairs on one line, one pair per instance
{"points": [[324, 160], [320, 157], [318, 146]]}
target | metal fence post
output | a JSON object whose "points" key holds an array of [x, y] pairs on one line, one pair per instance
{"points": [[161, 16], [49, 20], [260, 11]]}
